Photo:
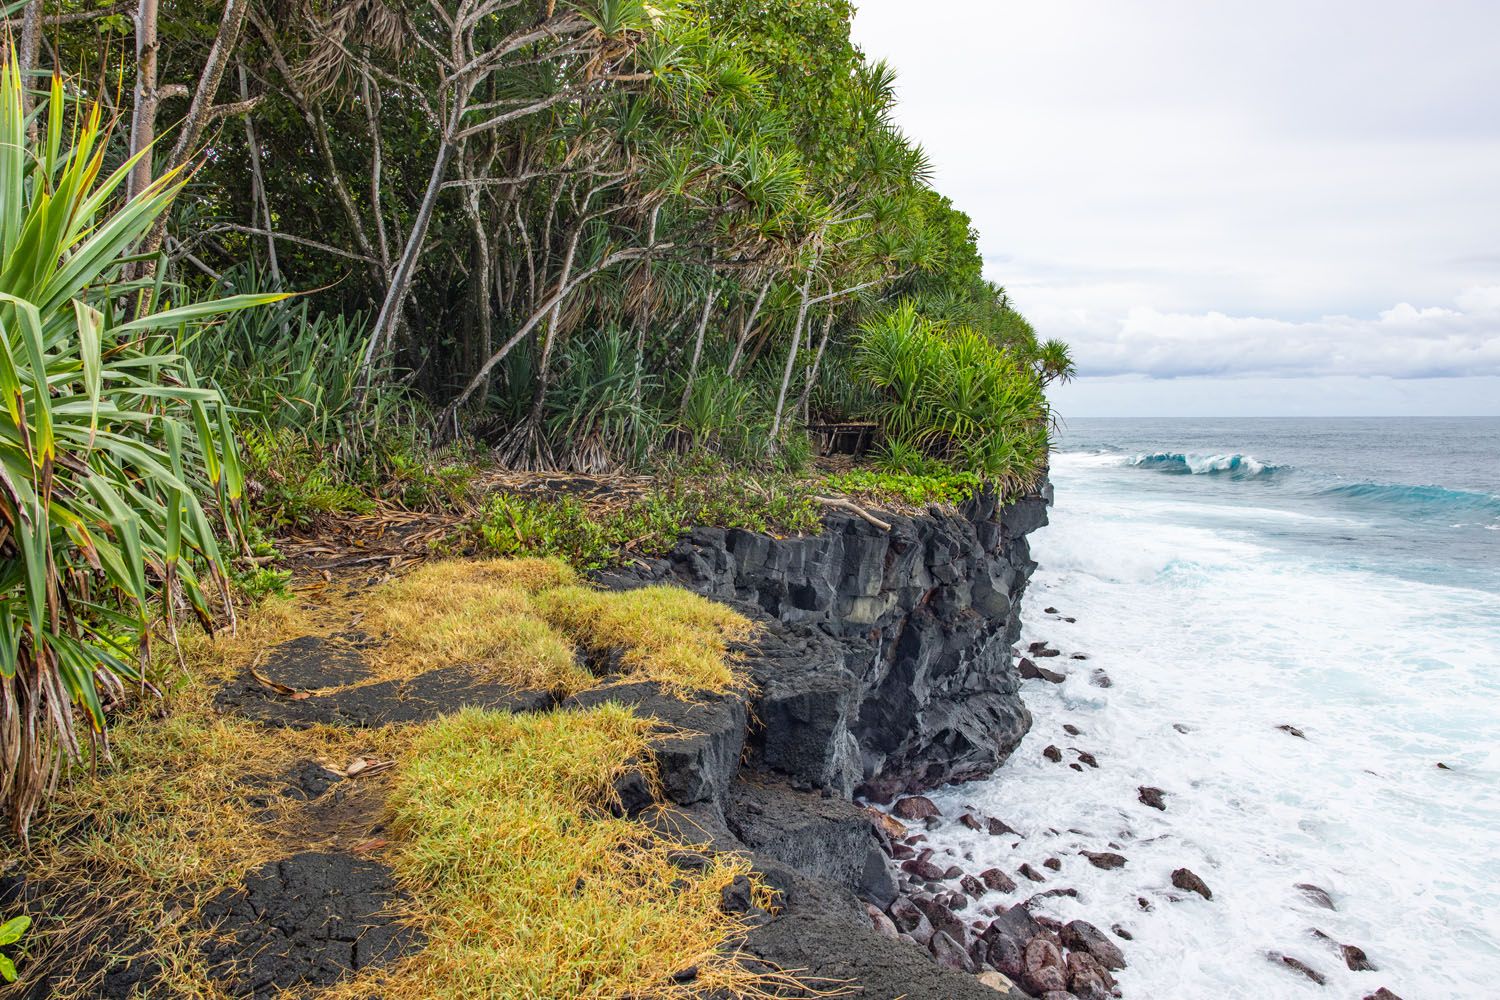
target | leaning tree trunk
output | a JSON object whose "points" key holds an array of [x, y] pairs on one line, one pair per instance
{"points": [[749, 327], [708, 308], [791, 359]]}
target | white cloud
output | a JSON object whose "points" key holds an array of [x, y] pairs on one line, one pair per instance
{"points": [[1182, 187], [1404, 341]]}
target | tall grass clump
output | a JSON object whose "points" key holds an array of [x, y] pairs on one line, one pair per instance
{"points": [[111, 452], [955, 396]]}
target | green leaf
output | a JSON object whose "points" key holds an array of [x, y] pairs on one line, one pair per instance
{"points": [[12, 929]]}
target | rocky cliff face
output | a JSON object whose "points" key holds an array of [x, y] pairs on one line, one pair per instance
{"points": [[885, 666]]}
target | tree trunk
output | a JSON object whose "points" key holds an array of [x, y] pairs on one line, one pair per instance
{"points": [[395, 294], [812, 370], [31, 50], [749, 327], [258, 183], [791, 359], [147, 97], [708, 308]]}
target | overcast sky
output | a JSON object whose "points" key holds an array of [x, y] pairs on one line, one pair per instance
{"points": [[1226, 207]]}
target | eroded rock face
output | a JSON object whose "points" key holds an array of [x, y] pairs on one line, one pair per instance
{"points": [[886, 667]]}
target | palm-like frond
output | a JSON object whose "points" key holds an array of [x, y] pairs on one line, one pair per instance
{"points": [[109, 447]]}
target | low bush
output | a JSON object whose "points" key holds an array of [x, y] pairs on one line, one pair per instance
{"points": [[953, 395], [917, 490]]}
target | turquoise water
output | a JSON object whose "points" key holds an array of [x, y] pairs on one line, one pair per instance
{"points": [[1232, 577]]}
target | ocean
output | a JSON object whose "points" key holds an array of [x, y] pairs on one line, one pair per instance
{"points": [[1230, 578]]}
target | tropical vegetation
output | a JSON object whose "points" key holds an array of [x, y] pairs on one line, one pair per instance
{"points": [[268, 264]]}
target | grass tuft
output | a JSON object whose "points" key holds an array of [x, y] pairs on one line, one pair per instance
{"points": [[521, 621], [527, 887], [664, 634], [477, 614]]}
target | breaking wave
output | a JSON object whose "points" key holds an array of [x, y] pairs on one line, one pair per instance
{"points": [[1190, 463]]}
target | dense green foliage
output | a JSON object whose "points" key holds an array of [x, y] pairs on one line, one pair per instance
{"points": [[585, 235], [111, 453], [589, 231], [954, 395]]}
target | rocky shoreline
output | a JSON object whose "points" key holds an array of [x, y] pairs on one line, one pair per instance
{"points": [[885, 668], [977, 921]]}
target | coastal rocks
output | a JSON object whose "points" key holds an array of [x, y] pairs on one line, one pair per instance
{"points": [[997, 881], [1298, 966], [1318, 895], [1185, 880], [1031, 672], [699, 742], [1107, 860], [1153, 797], [1053, 754], [915, 807], [886, 666], [824, 837], [1292, 731], [1083, 936]]}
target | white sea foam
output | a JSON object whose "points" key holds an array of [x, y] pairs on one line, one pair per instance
{"points": [[1231, 639]]}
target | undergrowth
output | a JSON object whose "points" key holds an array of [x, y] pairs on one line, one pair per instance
{"points": [[648, 525], [915, 489]]}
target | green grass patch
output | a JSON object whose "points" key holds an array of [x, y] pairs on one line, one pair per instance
{"points": [[649, 525], [914, 489]]}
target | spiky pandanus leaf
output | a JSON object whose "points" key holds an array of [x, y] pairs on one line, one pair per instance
{"points": [[107, 444]]}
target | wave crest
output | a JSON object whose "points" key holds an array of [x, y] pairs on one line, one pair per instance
{"points": [[1420, 500], [1190, 463]]}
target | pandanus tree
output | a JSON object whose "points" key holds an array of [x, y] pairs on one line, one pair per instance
{"points": [[117, 468]]}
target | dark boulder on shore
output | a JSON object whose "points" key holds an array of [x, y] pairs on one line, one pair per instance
{"points": [[1153, 797], [915, 807], [1185, 880], [1108, 860]]}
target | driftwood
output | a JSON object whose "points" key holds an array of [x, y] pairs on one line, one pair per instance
{"points": [[855, 509]]}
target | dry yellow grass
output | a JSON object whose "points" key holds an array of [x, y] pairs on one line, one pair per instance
{"points": [[156, 833], [665, 634], [522, 882], [520, 620], [529, 889]]}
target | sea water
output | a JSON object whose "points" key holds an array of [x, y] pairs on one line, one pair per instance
{"points": [[1341, 577]]}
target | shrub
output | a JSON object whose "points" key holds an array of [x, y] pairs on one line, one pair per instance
{"points": [[11, 931], [919, 490], [955, 396], [108, 444]]}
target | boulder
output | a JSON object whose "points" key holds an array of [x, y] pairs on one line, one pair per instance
{"points": [[1187, 881], [1080, 935], [916, 807], [1108, 860]]}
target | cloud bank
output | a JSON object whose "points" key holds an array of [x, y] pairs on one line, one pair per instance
{"points": [[1404, 341]]}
